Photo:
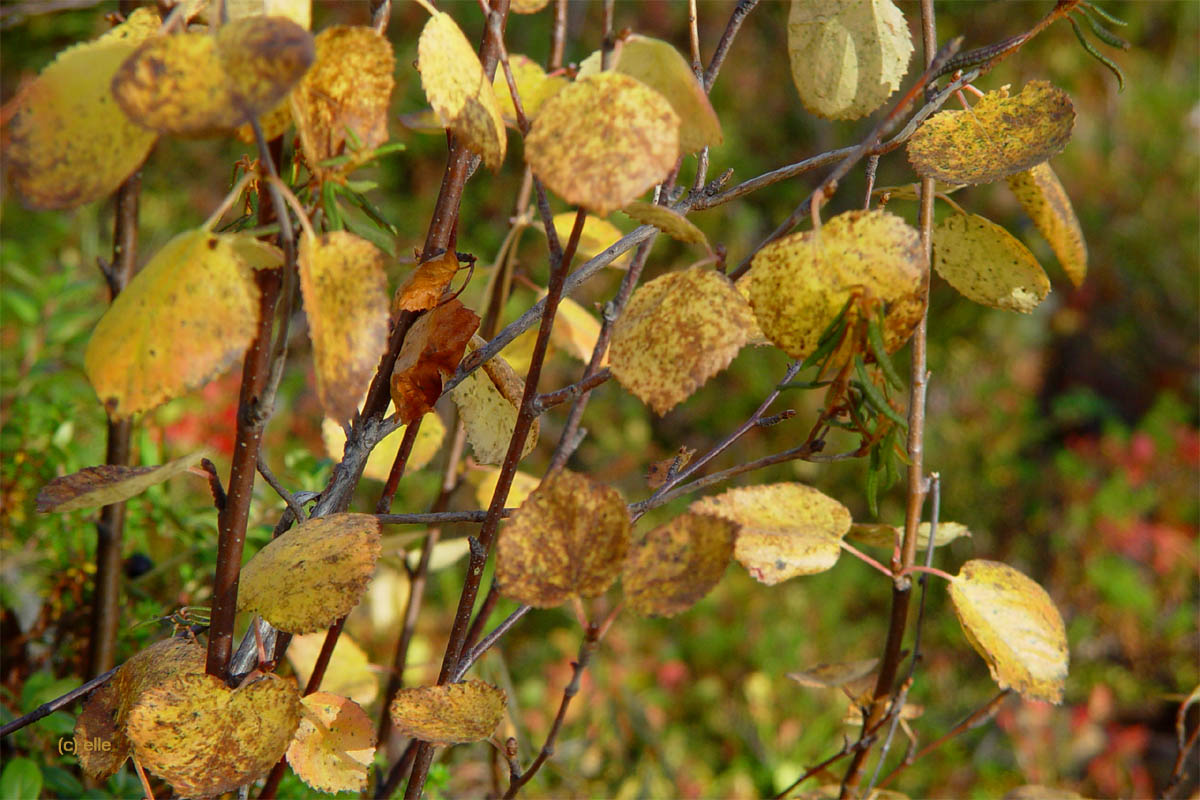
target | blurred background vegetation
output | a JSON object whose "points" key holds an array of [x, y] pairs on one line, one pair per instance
{"points": [[1067, 441]]}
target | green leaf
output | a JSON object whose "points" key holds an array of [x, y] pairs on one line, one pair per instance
{"points": [[21, 778]]}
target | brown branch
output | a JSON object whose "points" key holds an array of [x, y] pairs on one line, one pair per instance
{"points": [[571, 392], [384, 503], [743, 8], [57, 704], [476, 650]]}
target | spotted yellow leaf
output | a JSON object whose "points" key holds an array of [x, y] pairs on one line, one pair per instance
{"points": [[798, 284], [313, 575], [534, 87], [602, 141], [456, 712], [987, 264], [569, 538], [999, 136], [458, 90], [847, 56], [676, 564], [1045, 200], [108, 483], [334, 744], [488, 400], [186, 317], [785, 529], [1014, 625]]}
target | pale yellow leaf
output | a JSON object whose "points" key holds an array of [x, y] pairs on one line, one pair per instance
{"points": [[485, 481], [987, 264], [298, 11], [488, 400], [334, 744], [576, 331], [527, 6], [1045, 200], [379, 463], [349, 672], [533, 86], [598, 235]]}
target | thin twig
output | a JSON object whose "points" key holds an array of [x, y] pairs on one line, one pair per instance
{"points": [[487, 641], [570, 392], [743, 8], [57, 704], [288, 498], [438, 517]]}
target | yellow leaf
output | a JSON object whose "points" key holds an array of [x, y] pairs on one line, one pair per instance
{"points": [[533, 86], [108, 483], [672, 223], [833, 676], [485, 481], [1013, 624], [847, 56], [1045, 200], [311, 576], [1038, 792], [349, 673], [678, 331], [660, 66], [185, 318], [298, 11], [334, 744], [527, 6], [677, 564], [987, 264], [787, 529], [569, 538], [576, 331], [999, 136], [519, 352], [379, 463], [890, 535], [67, 143], [458, 90], [488, 400], [602, 141], [348, 87], [106, 709], [450, 714], [598, 235], [198, 84], [204, 738], [798, 284], [344, 285]]}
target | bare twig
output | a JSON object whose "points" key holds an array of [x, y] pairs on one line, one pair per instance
{"points": [[487, 641], [581, 387], [288, 498], [57, 704]]}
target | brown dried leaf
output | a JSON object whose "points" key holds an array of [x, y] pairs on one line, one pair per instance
{"points": [[488, 401], [311, 576], [672, 223], [334, 744], [349, 86], [987, 264], [107, 484], [204, 738], [423, 288], [657, 474], [569, 538], [1045, 200], [1014, 625], [787, 529], [678, 331], [798, 284], [459, 91], [998, 137], [344, 284], [677, 564], [68, 144], [186, 317], [602, 141], [533, 86], [198, 84], [450, 714], [105, 710], [431, 352], [833, 676]]}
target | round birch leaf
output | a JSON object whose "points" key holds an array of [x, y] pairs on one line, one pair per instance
{"points": [[349, 672], [999, 136], [598, 235], [678, 331], [334, 744], [349, 87], [311, 576], [987, 264], [660, 66], [344, 284], [68, 144], [569, 538], [488, 400], [450, 714], [527, 6], [458, 90], [786, 529], [379, 463], [889, 535], [833, 676], [108, 483], [800, 283], [298, 11], [672, 223], [198, 84], [1045, 200], [486, 479], [533, 86], [847, 56], [1013, 624], [576, 331], [105, 710], [204, 738], [185, 318], [677, 564], [602, 141]]}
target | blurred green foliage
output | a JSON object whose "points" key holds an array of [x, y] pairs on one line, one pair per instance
{"points": [[1066, 440]]}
